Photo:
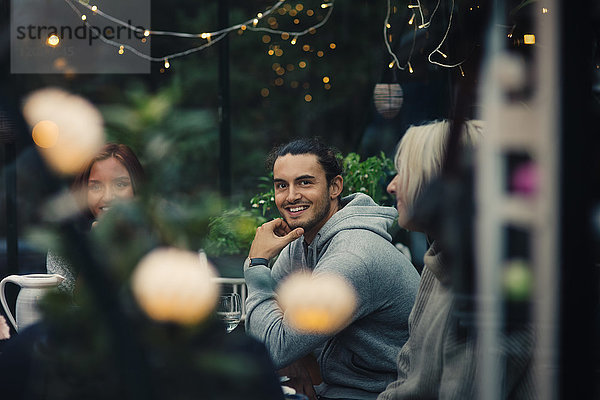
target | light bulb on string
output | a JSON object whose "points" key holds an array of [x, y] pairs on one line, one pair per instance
{"points": [[294, 40], [442, 54], [412, 19], [167, 64], [146, 33], [326, 5], [94, 8], [391, 65], [410, 68], [462, 72], [529, 39], [83, 17], [53, 40]]}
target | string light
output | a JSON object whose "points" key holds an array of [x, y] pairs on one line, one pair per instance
{"points": [[442, 54], [167, 64], [83, 17], [410, 68], [387, 38], [53, 40], [212, 37], [146, 33], [294, 40], [461, 70], [529, 39], [544, 10], [412, 19], [437, 49]]}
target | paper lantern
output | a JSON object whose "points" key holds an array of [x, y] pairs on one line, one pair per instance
{"points": [[317, 304], [67, 129], [174, 285], [388, 99]]}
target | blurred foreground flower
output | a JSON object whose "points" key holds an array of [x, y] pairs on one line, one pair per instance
{"points": [[67, 129], [174, 285], [320, 304]]}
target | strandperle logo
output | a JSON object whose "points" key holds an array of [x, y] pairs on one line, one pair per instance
{"points": [[84, 32], [66, 37]]}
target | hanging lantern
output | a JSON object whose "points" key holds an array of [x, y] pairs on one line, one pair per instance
{"points": [[388, 99]]}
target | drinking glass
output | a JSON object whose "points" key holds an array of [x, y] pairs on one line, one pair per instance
{"points": [[229, 310]]}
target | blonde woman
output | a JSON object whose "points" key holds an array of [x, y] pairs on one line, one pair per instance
{"points": [[436, 362]]}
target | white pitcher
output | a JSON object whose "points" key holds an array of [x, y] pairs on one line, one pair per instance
{"points": [[33, 287]]}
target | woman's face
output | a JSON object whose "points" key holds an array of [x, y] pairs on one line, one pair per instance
{"points": [[395, 188], [109, 180]]}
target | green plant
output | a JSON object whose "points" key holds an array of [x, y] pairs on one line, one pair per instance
{"points": [[370, 176], [232, 232], [265, 200]]}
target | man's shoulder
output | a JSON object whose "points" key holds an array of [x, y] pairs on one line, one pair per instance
{"points": [[360, 237]]}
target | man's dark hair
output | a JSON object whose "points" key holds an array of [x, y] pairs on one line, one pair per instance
{"points": [[328, 156]]}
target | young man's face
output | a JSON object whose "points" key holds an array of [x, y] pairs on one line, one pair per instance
{"points": [[302, 194]]}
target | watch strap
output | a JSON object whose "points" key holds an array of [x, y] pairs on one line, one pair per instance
{"points": [[258, 261]]}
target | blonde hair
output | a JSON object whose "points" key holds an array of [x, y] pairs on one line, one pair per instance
{"points": [[421, 154]]}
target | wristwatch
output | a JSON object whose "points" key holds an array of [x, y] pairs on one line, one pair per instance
{"points": [[258, 261]]}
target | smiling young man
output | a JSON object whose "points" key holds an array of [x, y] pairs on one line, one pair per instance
{"points": [[323, 233]]}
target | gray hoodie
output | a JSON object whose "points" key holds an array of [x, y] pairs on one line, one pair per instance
{"points": [[360, 360]]}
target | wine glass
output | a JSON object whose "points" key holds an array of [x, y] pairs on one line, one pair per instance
{"points": [[229, 310]]}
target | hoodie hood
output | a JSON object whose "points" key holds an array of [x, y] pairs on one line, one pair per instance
{"points": [[358, 211]]}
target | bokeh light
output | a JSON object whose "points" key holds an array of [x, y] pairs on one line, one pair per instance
{"points": [[45, 134], [79, 124], [317, 304], [175, 285]]}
